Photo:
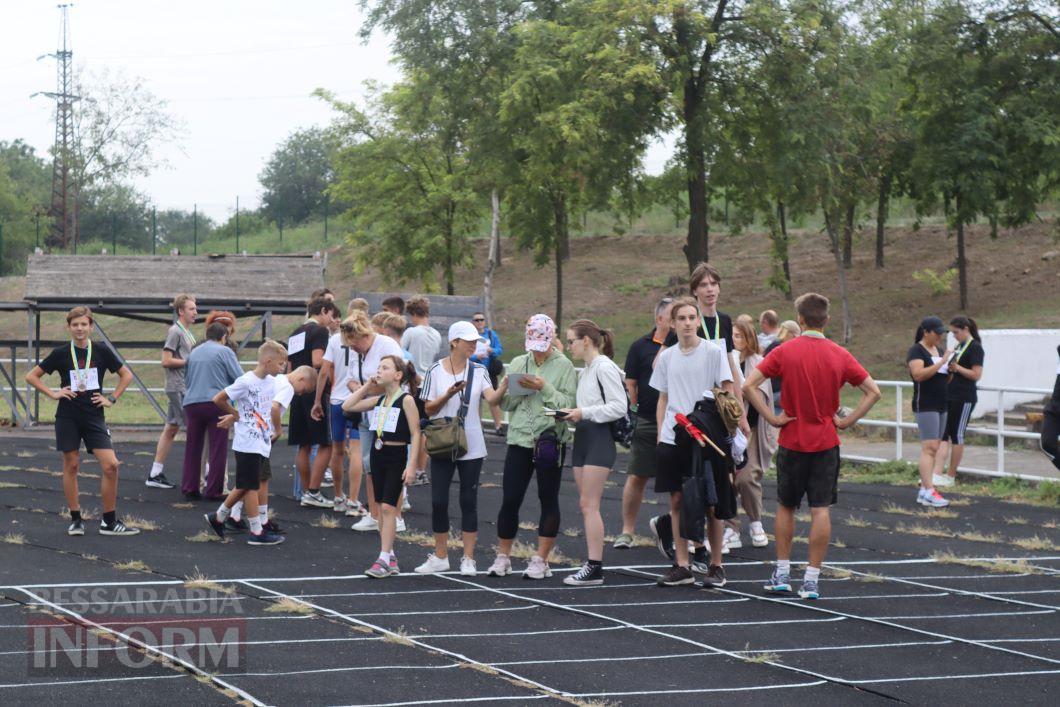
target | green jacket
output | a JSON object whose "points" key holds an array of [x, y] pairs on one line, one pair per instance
{"points": [[526, 418]]}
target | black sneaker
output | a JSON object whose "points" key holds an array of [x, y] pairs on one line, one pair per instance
{"points": [[271, 526], [77, 527], [701, 560], [159, 482], [264, 538], [117, 529], [195, 496], [662, 530], [715, 578], [676, 576], [236, 526], [217, 526], [588, 575]]}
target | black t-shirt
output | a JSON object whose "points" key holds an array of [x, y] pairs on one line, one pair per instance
{"points": [[59, 361], [711, 331], [639, 362], [960, 388], [929, 395], [775, 382], [305, 340]]}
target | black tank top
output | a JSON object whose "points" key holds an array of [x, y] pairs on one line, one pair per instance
{"points": [[401, 432]]}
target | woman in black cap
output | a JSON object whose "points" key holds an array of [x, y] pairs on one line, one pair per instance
{"points": [[928, 367]]}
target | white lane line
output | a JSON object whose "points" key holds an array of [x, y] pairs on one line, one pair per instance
{"points": [[131, 621], [958, 677], [813, 649], [701, 690], [677, 602], [920, 617], [191, 667], [667, 656], [352, 669], [741, 623], [434, 611], [195, 644], [548, 632], [1020, 640], [404, 639], [885, 596], [1031, 591], [454, 700], [63, 683]]}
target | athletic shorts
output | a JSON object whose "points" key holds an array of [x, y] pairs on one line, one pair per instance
{"points": [[388, 466], [175, 412], [957, 418], [814, 475], [248, 471], [642, 453], [593, 445], [93, 431], [342, 427], [673, 464], [302, 429], [930, 424]]}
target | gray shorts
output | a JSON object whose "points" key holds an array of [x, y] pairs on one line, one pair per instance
{"points": [[175, 413], [930, 425]]}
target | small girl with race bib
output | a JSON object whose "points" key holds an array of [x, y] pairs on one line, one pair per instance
{"points": [[394, 423]]}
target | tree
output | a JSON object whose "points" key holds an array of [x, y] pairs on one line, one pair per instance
{"points": [[296, 176], [115, 213]]}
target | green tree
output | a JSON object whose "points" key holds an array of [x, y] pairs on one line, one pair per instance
{"points": [[296, 176]]}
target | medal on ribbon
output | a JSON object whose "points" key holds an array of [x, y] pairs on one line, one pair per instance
{"points": [[81, 373]]}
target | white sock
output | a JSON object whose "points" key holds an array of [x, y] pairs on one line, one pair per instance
{"points": [[255, 525], [784, 566], [223, 512], [384, 557], [263, 512], [156, 469], [812, 573], [237, 511]]}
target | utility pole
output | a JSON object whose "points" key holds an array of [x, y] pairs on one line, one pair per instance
{"points": [[237, 225], [195, 230], [64, 188]]}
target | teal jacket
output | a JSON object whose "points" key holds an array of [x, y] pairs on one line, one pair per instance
{"points": [[526, 418]]}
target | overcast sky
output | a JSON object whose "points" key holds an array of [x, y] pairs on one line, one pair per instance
{"points": [[237, 73]]}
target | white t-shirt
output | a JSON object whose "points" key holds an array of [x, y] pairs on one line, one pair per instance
{"points": [[284, 392], [438, 380], [684, 376], [252, 397], [337, 354], [364, 367], [422, 342]]}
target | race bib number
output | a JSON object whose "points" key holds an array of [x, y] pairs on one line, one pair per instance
{"points": [[296, 343], [91, 379], [390, 425]]}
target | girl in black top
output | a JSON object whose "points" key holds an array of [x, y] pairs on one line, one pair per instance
{"points": [[394, 423], [1051, 422], [928, 368], [966, 368], [79, 415]]}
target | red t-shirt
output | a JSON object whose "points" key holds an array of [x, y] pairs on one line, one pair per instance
{"points": [[812, 370]]}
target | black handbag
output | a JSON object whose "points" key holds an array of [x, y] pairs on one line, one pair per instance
{"points": [[621, 429]]}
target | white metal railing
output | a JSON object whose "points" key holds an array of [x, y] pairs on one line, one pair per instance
{"points": [[998, 431]]}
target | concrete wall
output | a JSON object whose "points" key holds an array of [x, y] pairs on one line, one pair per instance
{"points": [[1016, 358]]}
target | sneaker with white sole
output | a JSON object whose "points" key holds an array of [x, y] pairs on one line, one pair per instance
{"points": [[700, 560], [159, 482], [779, 583], [77, 527], [676, 576], [366, 524], [624, 541], [405, 505], [501, 567], [589, 575], [355, 509], [808, 590], [715, 578], [399, 526], [339, 504], [537, 569], [662, 531], [329, 480], [433, 565], [468, 568], [732, 539], [943, 480], [758, 534], [118, 528], [316, 500], [265, 538], [392, 566], [378, 570], [932, 498]]}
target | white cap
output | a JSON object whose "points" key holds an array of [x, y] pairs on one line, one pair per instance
{"points": [[463, 330]]}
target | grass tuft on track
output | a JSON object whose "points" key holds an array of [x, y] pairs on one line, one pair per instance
{"points": [[325, 521], [132, 566], [200, 580], [398, 636], [14, 539], [205, 536], [1037, 543], [999, 564], [287, 605], [749, 656], [140, 523]]}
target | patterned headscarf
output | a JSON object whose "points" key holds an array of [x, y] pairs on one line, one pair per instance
{"points": [[540, 331]]}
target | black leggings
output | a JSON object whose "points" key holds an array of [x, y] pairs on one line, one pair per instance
{"points": [[441, 477], [1050, 431], [518, 468]]}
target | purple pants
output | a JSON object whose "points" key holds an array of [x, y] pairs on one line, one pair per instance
{"points": [[202, 420]]}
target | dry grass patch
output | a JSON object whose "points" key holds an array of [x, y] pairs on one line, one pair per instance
{"points": [[855, 522], [140, 523], [1036, 543], [132, 566], [527, 525], [572, 532], [803, 517], [976, 537], [90, 558], [183, 506], [1016, 520], [524, 551], [749, 656], [204, 536], [836, 573], [417, 537], [24, 454], [925, 531], [1050, 524], [868, 577], [998, 564], [14, 539], [836, 542], [199, 580], [9, 485], [287, 605], [638, 540], [325, 521], [399, 636]]}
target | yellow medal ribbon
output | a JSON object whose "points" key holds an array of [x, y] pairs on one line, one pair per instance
{"points": [[961, 349], [717, 327], [82, 374], [186, 332], [382, 412]]}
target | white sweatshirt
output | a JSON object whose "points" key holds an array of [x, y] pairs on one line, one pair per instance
{"points": [[594, 408]]}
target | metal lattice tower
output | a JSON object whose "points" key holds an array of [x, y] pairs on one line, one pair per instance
{"points": [[64, 188]]}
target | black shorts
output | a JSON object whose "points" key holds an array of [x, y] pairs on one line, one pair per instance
{"points": [[248, 471], [673, 465], [387, 467], [593, 445], [70, 432], [811, 474], [302, 429], [958, 414]]}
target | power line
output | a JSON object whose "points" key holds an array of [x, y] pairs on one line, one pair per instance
{"points": [[234, 52]]}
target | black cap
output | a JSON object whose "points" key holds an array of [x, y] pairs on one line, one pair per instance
{"points": [[933, 324]]}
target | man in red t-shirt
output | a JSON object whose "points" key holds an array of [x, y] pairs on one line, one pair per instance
{"points": [[812, 370]]}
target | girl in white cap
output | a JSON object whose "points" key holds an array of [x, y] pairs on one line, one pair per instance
{"points": [[443, 392]]}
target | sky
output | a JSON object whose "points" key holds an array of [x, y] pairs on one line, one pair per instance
{"points": [[236, 73]]}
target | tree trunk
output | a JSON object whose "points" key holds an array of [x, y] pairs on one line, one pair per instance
{"points": [[784, 233], [881, 215], [833, 236], [781, 278], [993, 226], [450, 286], [848, 236], [696, 247], [559, 207], [962, 263], [493, 260]]}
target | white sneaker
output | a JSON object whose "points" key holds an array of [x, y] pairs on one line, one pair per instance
{"points": [[355, 509], [942, 480], [537, 569], [366, 524], [732, 539], [931, 498], [434, 564], [758, 535], [501, 567], [405, 505], [467, 566], [329, 480], [339, 504], [316, 500], [399, 526]]}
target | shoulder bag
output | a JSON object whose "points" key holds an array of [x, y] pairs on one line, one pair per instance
{"points": [[446, 437], [622, 428]]}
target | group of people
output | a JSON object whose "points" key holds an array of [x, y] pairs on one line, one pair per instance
{"points": [[700, 402]]}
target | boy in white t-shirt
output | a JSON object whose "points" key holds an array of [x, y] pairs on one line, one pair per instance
{"points": [[252, 418]]}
